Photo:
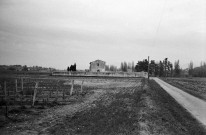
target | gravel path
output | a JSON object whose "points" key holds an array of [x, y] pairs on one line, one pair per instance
{"points": [[195, 106]]}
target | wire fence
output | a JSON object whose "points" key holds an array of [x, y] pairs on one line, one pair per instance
{"points": [[31, 91]]}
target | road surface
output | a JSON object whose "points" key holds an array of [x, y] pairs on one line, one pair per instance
{"points": [[194, 105]]}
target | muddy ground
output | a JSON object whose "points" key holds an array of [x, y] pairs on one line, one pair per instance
{"points": [[115, 106]]}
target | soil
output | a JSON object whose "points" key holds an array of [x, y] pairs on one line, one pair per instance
{"points": [[115, 106], [193, 86]]}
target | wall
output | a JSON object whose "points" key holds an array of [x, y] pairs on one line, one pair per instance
{"points": [[113, 74], [97, 65]]}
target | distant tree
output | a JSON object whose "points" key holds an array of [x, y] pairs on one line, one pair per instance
{"points": [[112, 68], [137, 67], [152, 67], [68, 69], [125, 67], [161, 69], [156, 73], [171, 69], [142, 66], [200, 71], [129, 65], [177, 69], [106, 67], [122, 66], [12, 68], [25, 68], [165, 62], [190, 68], [73, 67], [133, 68]]}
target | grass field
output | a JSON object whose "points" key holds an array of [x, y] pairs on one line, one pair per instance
{"points": [[195, 86], [111, 106]]}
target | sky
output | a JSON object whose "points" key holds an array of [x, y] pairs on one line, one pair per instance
{"points": [[58, 33]]}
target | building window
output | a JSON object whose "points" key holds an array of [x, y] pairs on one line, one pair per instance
{"points": [[97, 64]]}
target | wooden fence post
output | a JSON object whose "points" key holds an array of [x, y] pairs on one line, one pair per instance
{"points": [[5, 91], [16, 88], [72, 87], [35, 92], [82, 86], [22, 85], [50, 93], [63, 94], [22, 91], [57, 91], [46, 100]]}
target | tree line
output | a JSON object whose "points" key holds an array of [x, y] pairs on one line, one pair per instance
{"points": [[72, 67], [162, 68], [197, 71], [124, 67]]}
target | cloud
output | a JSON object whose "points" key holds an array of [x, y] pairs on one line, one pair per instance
{"points": [[85, 30]]}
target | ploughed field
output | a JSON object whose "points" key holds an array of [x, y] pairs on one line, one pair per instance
{"points": [[106, 106], [194, 86]]}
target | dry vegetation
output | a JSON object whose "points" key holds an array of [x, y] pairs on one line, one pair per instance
{"points": [[111, 106], [194, 86]]}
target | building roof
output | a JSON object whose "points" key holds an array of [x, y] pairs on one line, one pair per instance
{"points": [[96, 61]]}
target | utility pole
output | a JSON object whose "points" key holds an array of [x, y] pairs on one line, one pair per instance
{"points": [[165, 67], [148, 68]]}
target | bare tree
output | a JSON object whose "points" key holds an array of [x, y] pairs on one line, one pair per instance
{"points": [[177, 68], [107, 67], [112, 68], [125, 67], [190, 67], [133, 69], [129, 65], [122, 66]]}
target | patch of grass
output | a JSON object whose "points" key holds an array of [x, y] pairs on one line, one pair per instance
{"points": [[191, 86], [173, 116], [149, 110], [118, 117]]}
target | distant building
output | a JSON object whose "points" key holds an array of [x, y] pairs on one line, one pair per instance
{"points": [[97, 66]]}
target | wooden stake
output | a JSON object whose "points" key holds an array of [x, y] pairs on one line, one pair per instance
{"points": [[47, 99], [22, 91], [82, 86], [63, 94], [148, 68], [5, 91], [16, 88], [22, 86], [57, 91], [35, 92], [72, 87], [50, 93], [15, 92]]}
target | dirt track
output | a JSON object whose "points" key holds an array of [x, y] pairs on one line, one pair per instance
{"points": [[195, 106]]}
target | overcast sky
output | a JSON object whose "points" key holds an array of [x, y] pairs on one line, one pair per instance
{"points": [[58, 33]]}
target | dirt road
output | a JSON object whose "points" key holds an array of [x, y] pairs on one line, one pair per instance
{"points": [[195, 106]]}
